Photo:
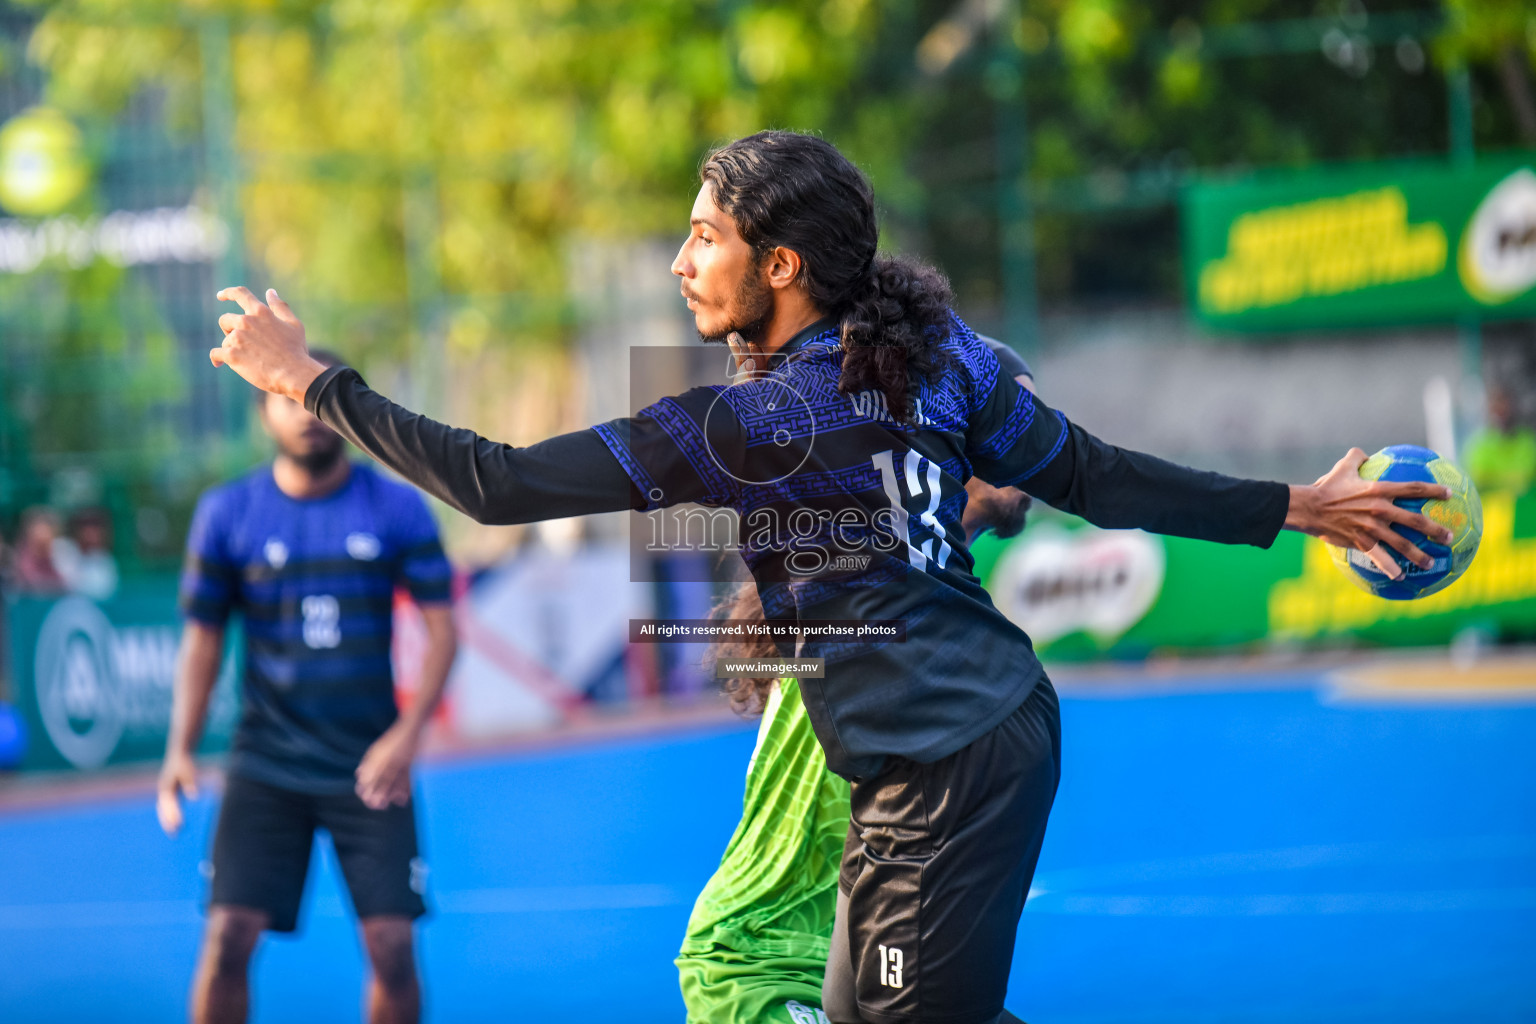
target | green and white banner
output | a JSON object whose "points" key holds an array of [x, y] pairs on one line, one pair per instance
{"points": [[1363, 245], [93, 680], [1083, 593]]}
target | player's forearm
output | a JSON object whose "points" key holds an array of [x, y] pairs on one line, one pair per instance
{"points": [[197, 672], [1302, 513], [573, 474], [1116, 488], [442, 648]]}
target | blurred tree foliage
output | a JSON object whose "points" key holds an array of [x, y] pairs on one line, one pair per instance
{"points": [[1501, 35], [109, 361], [1126, 99], [396, 150], [406, 150]]}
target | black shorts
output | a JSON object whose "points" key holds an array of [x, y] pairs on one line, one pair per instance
{"points": [[937, 865], [262, 844]]}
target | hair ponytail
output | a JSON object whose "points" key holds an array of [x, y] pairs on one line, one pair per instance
{"points": [[890, 328]]}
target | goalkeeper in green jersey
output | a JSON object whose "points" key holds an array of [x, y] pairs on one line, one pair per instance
{"points": [[757, 942]]}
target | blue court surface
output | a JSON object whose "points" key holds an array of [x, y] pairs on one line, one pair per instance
{"points": [[1255, 847]]}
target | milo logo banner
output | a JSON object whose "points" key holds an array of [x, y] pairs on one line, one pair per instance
{"points": [[1082, 593], [1373, 244], [94, 680]]}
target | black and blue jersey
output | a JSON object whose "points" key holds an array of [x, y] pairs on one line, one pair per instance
{"points": [[314, 581], [844, 513]]}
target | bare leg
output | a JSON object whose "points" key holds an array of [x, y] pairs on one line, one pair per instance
{"points": [[394, 993], [221, 986]]}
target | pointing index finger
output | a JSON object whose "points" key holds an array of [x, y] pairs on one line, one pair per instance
{"points": [[242, 295]]}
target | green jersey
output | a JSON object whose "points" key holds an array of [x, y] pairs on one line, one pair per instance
{"points": [[756, 947]]}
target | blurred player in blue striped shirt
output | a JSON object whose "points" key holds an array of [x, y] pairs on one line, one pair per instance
{"points": [[310, 551]]}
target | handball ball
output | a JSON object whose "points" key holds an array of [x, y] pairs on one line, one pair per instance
{"points": [[1462, 513]]}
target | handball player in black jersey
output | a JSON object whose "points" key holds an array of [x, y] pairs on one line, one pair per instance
{"points": [[864, 406]]}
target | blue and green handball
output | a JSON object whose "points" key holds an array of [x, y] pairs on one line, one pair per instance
{"points": [[1461, 513]]}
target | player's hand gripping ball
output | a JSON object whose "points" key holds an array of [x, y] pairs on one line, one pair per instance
{"points": [[1461, 513]]}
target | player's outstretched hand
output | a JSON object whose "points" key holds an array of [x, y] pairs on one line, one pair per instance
{"points": [[178, 775], [384, 774], [265, 344], [1349, 512]]}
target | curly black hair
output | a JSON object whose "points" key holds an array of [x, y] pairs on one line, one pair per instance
{"points": [[748, 696]]}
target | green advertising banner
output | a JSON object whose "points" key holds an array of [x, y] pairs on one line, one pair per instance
{"points": [[93, 680], [1082, 593], [1365, 245]]}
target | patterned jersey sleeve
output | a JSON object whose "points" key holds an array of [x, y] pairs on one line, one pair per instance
{"points": [[1013, 364], [423, 567], [210, 579], [1016, 440], [686, 448], [1012, 435]]}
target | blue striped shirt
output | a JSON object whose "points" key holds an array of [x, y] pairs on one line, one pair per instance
{"points": [[314, 581]]}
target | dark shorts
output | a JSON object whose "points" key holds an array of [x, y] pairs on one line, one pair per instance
{"points": [[937, 865], [262, 844]]}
